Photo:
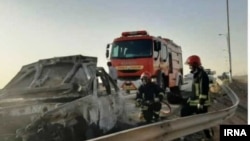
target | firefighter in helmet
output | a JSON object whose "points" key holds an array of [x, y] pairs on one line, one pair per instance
{"points": [[199, 101], [148, 97]]}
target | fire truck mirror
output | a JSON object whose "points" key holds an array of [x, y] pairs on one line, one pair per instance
{"points": [[107, 53], [107, 46], [107, 50], [157, 46]]}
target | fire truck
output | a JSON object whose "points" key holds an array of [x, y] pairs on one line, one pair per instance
{"points": [[135, 52]]}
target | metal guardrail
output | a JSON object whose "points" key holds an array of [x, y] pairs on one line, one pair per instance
{"points": [[178, 127]]}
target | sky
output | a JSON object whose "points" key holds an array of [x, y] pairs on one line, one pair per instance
{"points": [[38, 29]]}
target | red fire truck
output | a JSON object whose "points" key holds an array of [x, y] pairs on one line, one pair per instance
{"points": [[136, 51]]}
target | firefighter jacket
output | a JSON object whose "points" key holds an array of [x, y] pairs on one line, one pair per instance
{"points": [[149, 92], [200, 89]]}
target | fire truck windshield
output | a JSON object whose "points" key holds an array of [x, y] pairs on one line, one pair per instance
{"points": [[132, 49]]}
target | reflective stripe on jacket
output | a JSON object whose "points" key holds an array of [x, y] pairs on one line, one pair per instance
{"points": [[200, 89]]}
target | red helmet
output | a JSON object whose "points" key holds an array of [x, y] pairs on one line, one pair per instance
{"points": [[146, 75], [193, 60]]}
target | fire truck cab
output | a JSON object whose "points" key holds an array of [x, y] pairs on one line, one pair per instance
{"points": [[135, 52]]}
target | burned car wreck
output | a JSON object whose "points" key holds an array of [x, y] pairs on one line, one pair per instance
{"points": [[59, 99]]}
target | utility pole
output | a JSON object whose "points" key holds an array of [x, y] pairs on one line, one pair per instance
{"points": [[228, 43]]}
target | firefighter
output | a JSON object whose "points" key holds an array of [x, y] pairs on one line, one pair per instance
{"points": [[148, 97], [199, 101]]}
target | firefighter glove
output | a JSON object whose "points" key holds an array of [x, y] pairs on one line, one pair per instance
{"points": [[199, 106], [138, 103], [156, 99]]}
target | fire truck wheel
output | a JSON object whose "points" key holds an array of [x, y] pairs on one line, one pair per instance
{"points": [[174, 96]]}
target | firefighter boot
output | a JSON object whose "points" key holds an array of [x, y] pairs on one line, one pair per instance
{"points": [[141, 117], [156, 116]]}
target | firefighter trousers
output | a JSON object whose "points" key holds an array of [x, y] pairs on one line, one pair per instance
{"points": [[188, 110]]}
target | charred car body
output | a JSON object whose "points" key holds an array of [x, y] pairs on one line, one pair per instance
{"points": [[61, 98]]}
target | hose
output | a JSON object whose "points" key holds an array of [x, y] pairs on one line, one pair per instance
{"points": [[169, 107]]}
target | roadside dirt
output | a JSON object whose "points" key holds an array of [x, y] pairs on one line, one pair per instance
{"points": [[240, 86]]}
